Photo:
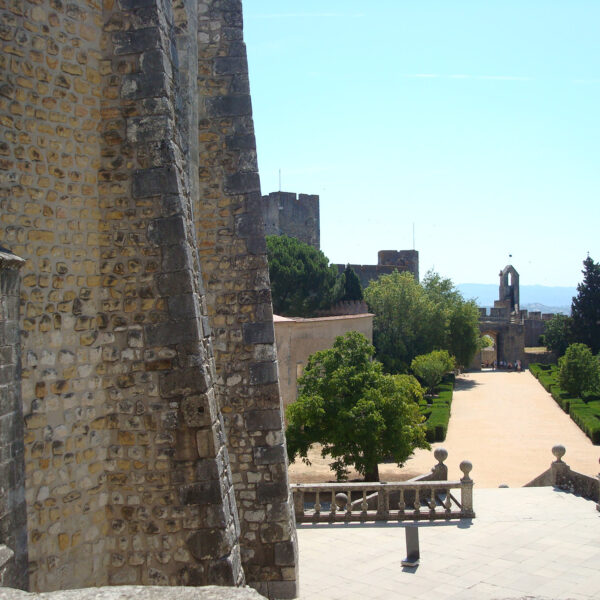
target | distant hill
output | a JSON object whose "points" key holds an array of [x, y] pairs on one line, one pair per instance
{"points": [[533, 297]]}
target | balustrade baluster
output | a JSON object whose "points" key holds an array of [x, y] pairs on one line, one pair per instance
{"points": [[349, 503], [318, 504], [401, 504], [417, 504], [432, 502], [383, 504], [364, 505], [448, 503]]}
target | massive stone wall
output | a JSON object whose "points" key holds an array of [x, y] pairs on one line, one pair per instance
{"points": [[130, 187], [13, 511], [296, 216]]}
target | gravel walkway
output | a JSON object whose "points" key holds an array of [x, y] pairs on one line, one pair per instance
{"points": [[505, 423]]}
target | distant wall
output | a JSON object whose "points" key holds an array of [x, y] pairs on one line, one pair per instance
{"points": [[388, 261], [297, 339], [285, 213]]}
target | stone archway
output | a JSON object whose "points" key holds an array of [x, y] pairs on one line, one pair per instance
{"points": [[489, 355]]}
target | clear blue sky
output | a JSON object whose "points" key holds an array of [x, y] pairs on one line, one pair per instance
{"points": [[478, 121]]}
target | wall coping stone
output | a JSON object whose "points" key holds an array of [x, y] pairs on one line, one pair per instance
{"points": [[138, 592]]}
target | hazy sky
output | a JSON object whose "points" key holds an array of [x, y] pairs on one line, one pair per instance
{"points": [[478, 121]]}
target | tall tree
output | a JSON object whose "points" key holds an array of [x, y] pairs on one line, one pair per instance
{"points": [[302, 281], [352, 288], [359, 415], [413, 319], [585, 308], [462, 338], [557, 334], [579, 370], [407, 322]]}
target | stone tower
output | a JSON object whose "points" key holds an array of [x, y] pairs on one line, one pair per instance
{"points": [[509, 287], [153, 435]]}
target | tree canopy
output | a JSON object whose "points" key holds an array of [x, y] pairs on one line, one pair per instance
{"points": [[579, 370], [585, 308], [557, 334], [302, 281], [413, 319], [431, 368], [359, 415]]}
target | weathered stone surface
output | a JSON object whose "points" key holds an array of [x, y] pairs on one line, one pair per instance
{"points": [[258, 333], [138, 592]]}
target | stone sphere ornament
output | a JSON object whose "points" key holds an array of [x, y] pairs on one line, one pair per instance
{"points": [[466, 466], [558, 451], [440, 454], [341, 500]]}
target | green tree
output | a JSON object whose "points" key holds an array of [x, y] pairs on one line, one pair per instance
{"points": [[302, 281], [352, 288], [413, 319], [585, 308], [359, 415], [430, 368], [407, 322], [461, 318], [579, 370], [557, 334]]}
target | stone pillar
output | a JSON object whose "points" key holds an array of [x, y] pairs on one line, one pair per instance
{"points": [[13, 510], [466, 493]]}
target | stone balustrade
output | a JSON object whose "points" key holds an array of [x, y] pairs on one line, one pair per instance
{"points": [[561, 475], [383, 501]]}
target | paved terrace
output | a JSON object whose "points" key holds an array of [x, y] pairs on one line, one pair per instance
{"points": [[527, 542]]}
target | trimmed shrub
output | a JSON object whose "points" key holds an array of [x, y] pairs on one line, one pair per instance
{"points": [[437, 412], [584, 411]]}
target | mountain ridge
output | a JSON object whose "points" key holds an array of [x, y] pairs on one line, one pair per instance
{"points": [[546, 297]]}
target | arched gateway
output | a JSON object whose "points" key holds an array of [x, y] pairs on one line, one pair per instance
{"points": [[511, 328]]}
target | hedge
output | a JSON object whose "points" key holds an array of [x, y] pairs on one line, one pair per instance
{"points": [[585, 411], [437, 412]]}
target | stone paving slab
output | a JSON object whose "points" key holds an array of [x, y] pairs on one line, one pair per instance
{"points": [[534, 543]]}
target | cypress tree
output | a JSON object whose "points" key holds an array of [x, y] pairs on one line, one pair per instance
{"points": [[352, 288], [585, 308]]}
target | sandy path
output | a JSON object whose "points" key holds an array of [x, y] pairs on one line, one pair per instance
{"points": [[505, 423]]}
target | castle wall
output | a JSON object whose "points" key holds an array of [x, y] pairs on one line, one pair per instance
{"points": [[284, 213], [534, 328], [388, 261], [129, 172], [233, 257], [13, 510]]}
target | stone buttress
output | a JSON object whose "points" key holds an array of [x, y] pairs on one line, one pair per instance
{"points": [[232, 251]]}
